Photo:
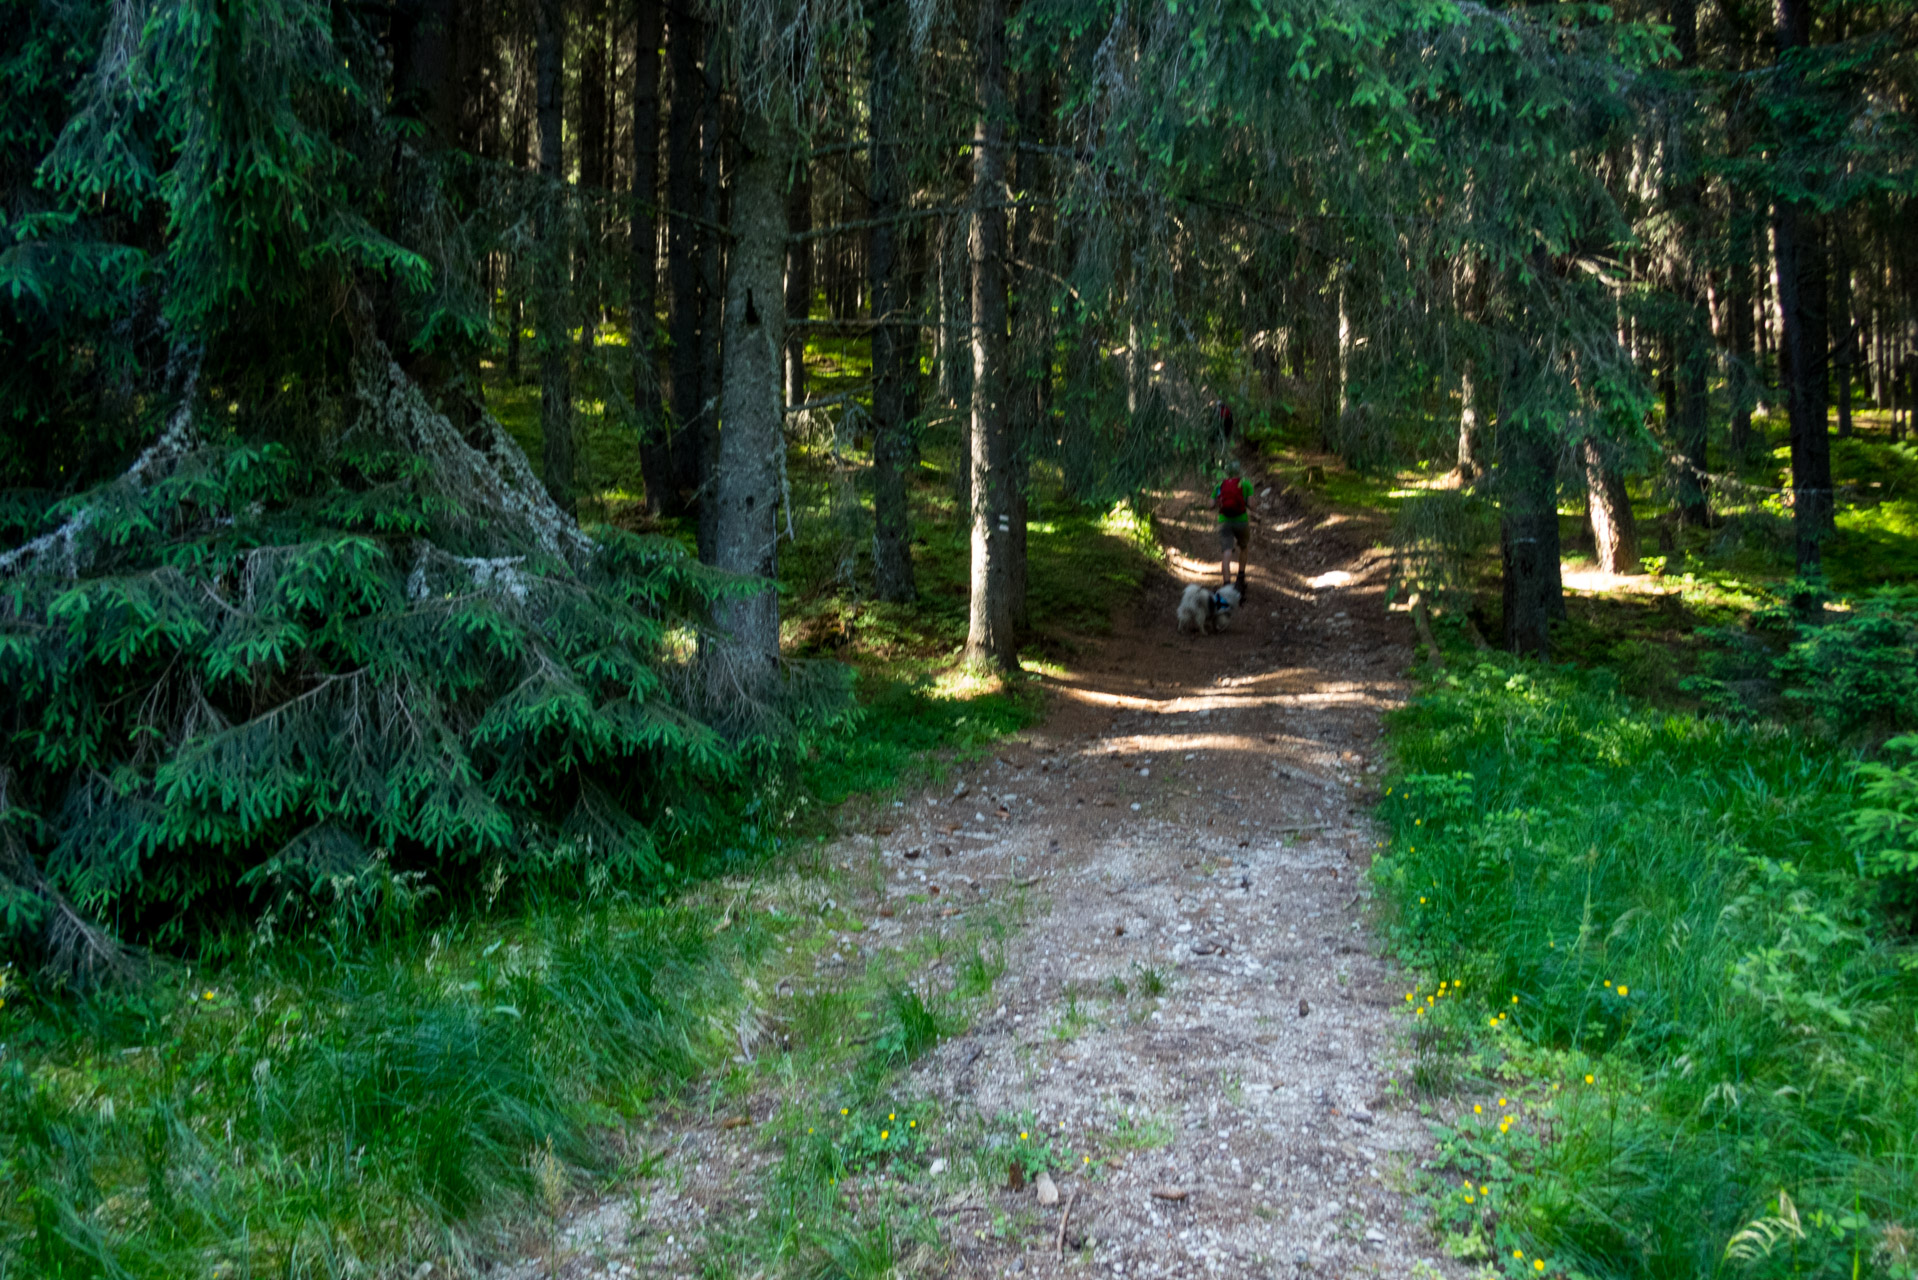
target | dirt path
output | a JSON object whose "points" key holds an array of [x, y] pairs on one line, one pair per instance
{"points": [[1196, 809], [1193, 993]]}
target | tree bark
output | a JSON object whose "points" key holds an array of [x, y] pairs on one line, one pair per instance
{"points": [[655, 440], [746, 479], [1802, 309], [685, 38], [989, 636], [1469, 446], [1691, 336], [1031, 374], [799, 281], [1741, 375], [894, 342], [1614, 527], [712, 289], [1534, 593], [554, 332], [1845, 340]]}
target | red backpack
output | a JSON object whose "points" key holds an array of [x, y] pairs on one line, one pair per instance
{"points": [[1232, 497]]}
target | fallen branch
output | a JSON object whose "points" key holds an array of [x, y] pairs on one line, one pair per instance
{"points": [[1059, 1248]]}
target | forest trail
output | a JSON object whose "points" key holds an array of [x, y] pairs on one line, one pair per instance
{"points": [[1191, 819], [1197, 806]]}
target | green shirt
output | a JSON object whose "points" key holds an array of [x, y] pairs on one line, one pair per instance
{"points": [[1244, 517]]}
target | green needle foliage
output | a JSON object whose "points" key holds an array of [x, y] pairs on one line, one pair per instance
{"points": [[288, 628]]}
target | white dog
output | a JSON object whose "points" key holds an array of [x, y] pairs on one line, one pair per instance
{"points": [[1204, 609]]}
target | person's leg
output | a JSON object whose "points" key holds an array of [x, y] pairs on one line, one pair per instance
{"points": [[1228, 540], [1244, 539]]}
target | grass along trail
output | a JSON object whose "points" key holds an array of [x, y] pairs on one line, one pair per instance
{"points": [[1152, 909]]}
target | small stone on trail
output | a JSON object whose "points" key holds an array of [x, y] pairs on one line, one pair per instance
{"points": [[1360, 1115], [1135, 808], [1211, 947], [1169, 1193], [1304, 1008], [960, 791], [936, 1168], [1048, 1190], [1374, 1236]]}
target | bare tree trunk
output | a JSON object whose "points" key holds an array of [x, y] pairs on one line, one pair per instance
{"points": [[1469, 446], [1845, 340], [1691, 342], [799, 280], [746, 478], [894, 342], [589, 302], [1692, 404], [516, 270], [712, 291], [685, 38], [1614, 527], [989, 636], [1802, 313], [655, 439], [1031, 374], [1534, 594], [1741, 376], [554, 331]]}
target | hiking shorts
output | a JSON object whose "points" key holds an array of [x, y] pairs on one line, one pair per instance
{"points": [[1235, 535]]}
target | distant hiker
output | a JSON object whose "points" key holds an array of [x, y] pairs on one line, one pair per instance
{"points": [[1223, 411], [1234, 506]]}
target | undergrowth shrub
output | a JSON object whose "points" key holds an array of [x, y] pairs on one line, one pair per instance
{"points": [[1885, 828], [1860, 668], [258, 675], [1661, 925]]}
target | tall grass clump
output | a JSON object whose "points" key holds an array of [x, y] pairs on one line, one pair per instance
{"points": [[1674, 968], [318, 1113]]}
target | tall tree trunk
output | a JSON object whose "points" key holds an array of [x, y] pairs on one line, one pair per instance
{"points": [[685, 40], [1691, 342], [522, 147], [746, 477], [989, 634], [799, 279], [1691, 401], [1845, 339], [655, 439], [1534, 593], [1031, 374], [955, 310], [588, 302], [1741, 372], [894, 340], [712, 290], [1614, 527], [1469, 445], [554, 331], [1802, 309]]}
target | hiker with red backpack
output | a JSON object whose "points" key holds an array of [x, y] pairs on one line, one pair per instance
{"points": [[1234, 506]]}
